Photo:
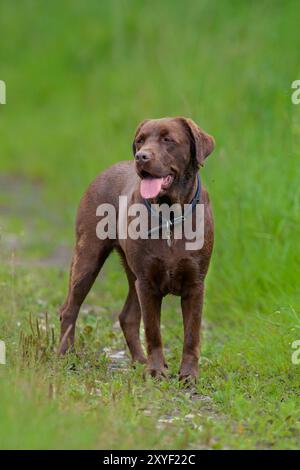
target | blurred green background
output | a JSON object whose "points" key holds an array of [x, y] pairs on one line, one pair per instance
{"points": [[80, 75]]}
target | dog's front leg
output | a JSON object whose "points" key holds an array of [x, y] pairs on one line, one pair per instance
{"points": [[151, 307], [191, 304]]}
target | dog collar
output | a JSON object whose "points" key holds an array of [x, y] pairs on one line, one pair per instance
{"points": [[168, 224]]}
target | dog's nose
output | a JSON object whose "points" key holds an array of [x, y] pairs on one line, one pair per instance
{"points": [[142, 156]]}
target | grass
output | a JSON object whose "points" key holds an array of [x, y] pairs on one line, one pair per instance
{"points": [[79, 78]]}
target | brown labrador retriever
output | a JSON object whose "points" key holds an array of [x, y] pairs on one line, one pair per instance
{"points": [[167, 156]]}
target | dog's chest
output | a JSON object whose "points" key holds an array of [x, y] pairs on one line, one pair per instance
{"points": [[171, 274]]}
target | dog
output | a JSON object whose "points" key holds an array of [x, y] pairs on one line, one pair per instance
{"points": [[167, 155]]}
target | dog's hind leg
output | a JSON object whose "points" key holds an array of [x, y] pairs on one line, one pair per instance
{"points": [[130, 319], [88, 258]]}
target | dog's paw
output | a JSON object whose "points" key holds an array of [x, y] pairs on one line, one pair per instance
{"points": [[188, 374], [158, 374], [188, 381], [139, 360]]}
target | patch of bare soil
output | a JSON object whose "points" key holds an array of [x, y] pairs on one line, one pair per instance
{"points": [[22, 206]]}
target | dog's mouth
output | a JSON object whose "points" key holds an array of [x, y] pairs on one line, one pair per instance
{"points": [[152, 185]]}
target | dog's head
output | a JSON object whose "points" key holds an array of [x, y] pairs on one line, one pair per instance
{"points": [[168, 151]]}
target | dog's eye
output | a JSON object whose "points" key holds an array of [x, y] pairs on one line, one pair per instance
{"points": [[140, 140], [167, 139]]}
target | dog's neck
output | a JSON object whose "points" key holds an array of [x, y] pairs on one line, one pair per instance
{"points": [[182, 192]]}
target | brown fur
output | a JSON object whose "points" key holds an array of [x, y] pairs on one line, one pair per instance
{"points": [[153, 268]]}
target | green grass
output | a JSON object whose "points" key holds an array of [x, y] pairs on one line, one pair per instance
{"points": [[80, 76]]}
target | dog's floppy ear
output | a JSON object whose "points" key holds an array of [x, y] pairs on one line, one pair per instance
{"points": [[136, 133], [202, 144]]}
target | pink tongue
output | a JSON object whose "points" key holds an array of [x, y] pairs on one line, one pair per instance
{"points": [[150, 187]]}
